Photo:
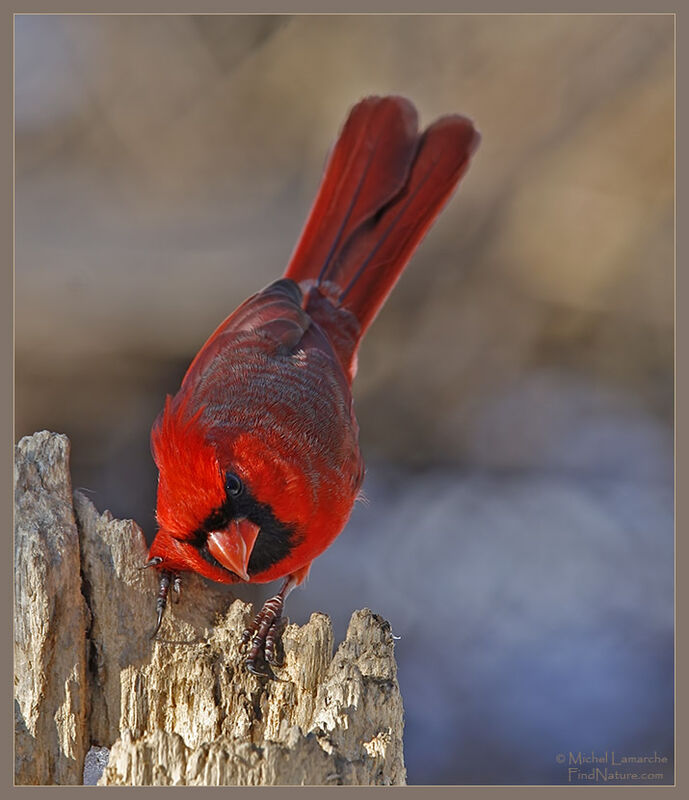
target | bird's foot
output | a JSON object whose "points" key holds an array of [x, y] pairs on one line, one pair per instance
{"points": [[265, 635], [167, 579]]}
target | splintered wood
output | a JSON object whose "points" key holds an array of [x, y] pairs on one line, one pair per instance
{"points": [[182, 709]]}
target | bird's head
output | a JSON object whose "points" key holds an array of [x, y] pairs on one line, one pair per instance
{"points": [[229, 510]]}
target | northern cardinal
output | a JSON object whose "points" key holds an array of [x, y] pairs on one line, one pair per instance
{"points": [[258, 454]]}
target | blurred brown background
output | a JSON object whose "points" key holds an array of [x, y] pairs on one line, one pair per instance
{"points": [[515, 396]]}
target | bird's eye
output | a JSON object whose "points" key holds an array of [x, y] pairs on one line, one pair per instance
{"points": [[233, 484]]}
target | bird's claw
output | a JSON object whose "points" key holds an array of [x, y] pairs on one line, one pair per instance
{"points": [[176, 588], [167, 578], [265, 635]]}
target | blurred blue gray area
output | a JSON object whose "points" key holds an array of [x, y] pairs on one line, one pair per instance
{"points": [[515, 396]]}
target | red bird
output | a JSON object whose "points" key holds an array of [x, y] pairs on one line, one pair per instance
{"points": [[258, 453]]}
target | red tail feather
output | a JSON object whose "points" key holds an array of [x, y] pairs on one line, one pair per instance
{"points": [[383, 187]]}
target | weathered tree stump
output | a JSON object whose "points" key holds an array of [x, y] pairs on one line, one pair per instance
{"points": [[180, 710]]}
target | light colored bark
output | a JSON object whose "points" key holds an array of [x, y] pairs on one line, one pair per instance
{"points": [[181, 709], [50, 620]]}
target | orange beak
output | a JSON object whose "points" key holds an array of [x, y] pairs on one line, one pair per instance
{"points": [[232, 547]]}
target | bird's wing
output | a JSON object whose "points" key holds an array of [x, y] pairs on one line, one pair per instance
{"points": [[274, 315]]}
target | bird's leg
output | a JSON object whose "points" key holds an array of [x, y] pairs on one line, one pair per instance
{"points": [[265, 633], [166, 578], [176, 588]]}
